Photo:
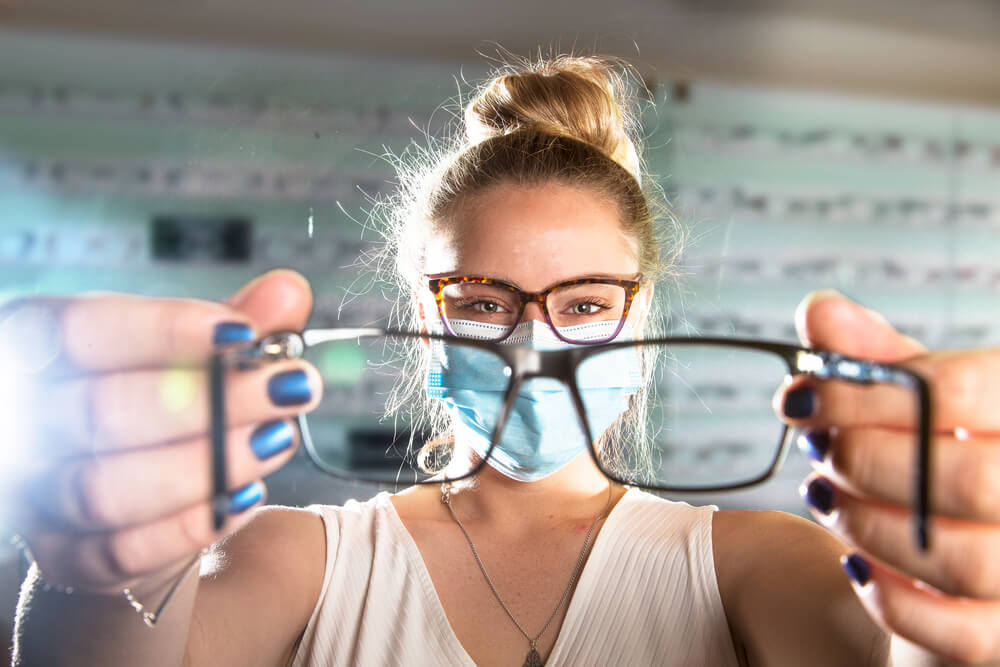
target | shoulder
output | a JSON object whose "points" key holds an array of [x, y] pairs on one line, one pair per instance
{"points": [[282, 530], [300, 541], [786, 598], [661, 522], [259, 587]]}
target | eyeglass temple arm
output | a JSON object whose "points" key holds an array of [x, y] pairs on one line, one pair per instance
{"points": [[832, 366], [285, 345], [220, 495]]}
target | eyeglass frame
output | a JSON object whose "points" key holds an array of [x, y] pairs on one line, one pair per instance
{"points": [[436, 284], [528, 363]]}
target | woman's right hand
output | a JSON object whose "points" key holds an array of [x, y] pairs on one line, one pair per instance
{"points": [[109, 411]]}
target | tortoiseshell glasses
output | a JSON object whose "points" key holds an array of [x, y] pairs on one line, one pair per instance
{"points": [[576, 310]]}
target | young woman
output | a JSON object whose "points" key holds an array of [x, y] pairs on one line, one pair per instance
{"points": [[553, 565]]}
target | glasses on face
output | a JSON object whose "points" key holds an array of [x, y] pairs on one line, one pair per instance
{"points": [[698, 416], [490, 309]]}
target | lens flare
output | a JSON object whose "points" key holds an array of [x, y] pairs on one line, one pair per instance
{"points": [[177, 390], [30, 340], [341, 364]]}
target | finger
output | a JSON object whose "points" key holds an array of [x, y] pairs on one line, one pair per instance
{"points": [[106, 332], [868, 461], [962, 555], [827, 319], [958, 629], [105, 493], [111, 560], [965, 390], [108, 413], [279, 300]]}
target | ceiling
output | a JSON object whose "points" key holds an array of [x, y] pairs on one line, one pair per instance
{"points": [[926, 49]]}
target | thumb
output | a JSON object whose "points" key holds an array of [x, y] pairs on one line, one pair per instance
{"points": [[829, 320], [278, 300]]}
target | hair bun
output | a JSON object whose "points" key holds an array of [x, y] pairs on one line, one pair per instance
{"points": [[585, 98]]}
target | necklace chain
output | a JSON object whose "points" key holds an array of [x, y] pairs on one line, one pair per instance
{"points": [[446, 499]]}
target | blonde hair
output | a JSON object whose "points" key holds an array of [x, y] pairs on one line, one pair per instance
{"points": [[569, 120]]}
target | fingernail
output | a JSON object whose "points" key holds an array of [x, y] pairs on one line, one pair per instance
{"points": [[799, 403], [245, 498], [815, 444], [271, 438], [232, 332], [819, 495], [289, 388], [857, 568]]}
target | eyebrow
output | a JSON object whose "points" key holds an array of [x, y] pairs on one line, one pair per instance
{"points": [[509, 281]]}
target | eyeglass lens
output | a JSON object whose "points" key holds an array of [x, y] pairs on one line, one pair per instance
{"points": [[673, 416], [567, 306], [362, 428], [707, 420]]}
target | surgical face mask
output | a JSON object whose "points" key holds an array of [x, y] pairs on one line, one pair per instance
{"points": [[543, 432]]}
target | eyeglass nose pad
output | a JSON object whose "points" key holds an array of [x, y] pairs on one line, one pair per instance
{"points": [[532, 311]]}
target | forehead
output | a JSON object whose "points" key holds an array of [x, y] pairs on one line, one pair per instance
{"points": [[533, 236]]}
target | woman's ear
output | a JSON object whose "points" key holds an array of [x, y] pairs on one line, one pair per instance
{"points": [[421, 317]]}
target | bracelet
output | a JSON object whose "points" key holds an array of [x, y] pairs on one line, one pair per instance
{"points": [[150, 618]]}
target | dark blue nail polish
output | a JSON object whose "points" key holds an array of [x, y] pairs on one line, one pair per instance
{"points": [[799, 403], [857, 568], [271, 438], [245, 498], [232, 332], [819, 495], [289, 388], [815, 444]]}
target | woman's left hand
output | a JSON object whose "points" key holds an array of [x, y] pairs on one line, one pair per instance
{"points": [[862, 442]]}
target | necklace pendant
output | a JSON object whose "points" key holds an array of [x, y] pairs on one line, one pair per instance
{"points": [[533, 659]]}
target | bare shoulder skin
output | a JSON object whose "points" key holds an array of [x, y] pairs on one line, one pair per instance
{"points": [[786, 598], [253, 608]]}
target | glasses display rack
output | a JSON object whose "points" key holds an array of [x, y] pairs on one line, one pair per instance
{"points": [[895, 203]]}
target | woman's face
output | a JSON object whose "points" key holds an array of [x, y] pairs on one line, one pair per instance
{"points": [[532, 237]]}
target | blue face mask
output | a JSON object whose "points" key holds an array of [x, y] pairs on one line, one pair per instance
{"points": [[543, 432]]}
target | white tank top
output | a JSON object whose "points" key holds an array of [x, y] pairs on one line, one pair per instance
{"points": [[647, 594]]}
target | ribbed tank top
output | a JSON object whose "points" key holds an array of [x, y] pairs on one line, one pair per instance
{"points": [[647, 594]]}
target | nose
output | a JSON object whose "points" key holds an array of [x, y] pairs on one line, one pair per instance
{"points": [[532, 311]]}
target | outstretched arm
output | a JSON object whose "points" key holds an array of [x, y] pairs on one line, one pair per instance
{"points": [[947, 600]]}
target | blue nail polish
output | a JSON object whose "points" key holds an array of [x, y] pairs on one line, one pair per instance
{"points": [[799, 403], [857, 568], [815, 444], [289, 388], [819, 495], [271, 438], [232, 332], [245, 498]]}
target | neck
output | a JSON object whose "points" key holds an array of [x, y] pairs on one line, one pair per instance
{"points": [[577, 492]]}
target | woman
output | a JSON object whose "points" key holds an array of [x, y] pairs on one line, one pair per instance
{"points": [[545, 190]]}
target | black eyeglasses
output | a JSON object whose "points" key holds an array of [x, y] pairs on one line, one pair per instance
{"points": [[696, 413]]}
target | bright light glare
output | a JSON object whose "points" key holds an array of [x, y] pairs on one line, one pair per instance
{"points": [[29, 343], [808, 362], [15, 415]]}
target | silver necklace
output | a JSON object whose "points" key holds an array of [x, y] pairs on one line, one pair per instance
{"points": [[533, 659]]}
